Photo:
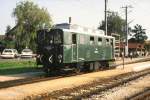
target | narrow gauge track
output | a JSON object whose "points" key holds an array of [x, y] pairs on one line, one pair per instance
{"points": [[54, 75], [57, 75], [86, 91], [144, 95], [139, 60]]}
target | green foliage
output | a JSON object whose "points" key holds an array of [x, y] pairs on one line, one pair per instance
{"points": [[8, 28], [14, 63], [139, 34], [147, 47], [29, 18], [16, 66], [9, 43], [2, 46], [115, 24], [9, 39]]}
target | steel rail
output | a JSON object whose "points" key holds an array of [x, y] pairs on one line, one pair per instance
{"points": [[143, 95], [57, 75], [86, 91]]}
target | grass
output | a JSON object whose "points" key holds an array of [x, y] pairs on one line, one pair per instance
{"points": [[17, 66]]}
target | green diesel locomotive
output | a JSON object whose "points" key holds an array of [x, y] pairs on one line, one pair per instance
{"points": [[75, 47]]}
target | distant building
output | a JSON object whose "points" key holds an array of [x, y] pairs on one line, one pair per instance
{"points": [[133, 46], [147, 46], [136, 48], [147, 42], [2, 37]]}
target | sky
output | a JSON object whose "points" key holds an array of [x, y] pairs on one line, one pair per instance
{"points": [[88, 13]]}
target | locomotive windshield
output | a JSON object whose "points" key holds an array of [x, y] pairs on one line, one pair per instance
{"points": [[54, 36], [57, 37], [41, 36]]}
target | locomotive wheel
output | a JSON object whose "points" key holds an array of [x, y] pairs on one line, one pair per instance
{"points": [[91, 67], [46, 69], [50, 70], [96, 66], [79, 68], [87, 67], [105, 65]]}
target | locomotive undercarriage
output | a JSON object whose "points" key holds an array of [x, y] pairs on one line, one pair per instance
{"points": [[77, 67]]}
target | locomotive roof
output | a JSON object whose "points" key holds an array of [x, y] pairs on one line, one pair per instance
{"points": [[87, 33], [80, 30]]}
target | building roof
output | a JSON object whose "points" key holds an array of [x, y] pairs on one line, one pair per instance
{"points": [[133, 45]]}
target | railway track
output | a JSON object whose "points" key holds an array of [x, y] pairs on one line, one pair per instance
{"points": [[144, 95], [55, 75], [77, 92], [96, 87]]}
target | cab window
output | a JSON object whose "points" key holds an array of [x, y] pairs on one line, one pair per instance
{"points": [[111, 42], [91, 39], [57, 38], [82, 39], [99, 41], [107, 41], [74, 39]]}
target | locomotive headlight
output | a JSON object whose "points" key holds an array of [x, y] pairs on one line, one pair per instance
{"points": [[60, 58]]}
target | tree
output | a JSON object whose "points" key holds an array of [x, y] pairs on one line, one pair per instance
{"points": [[139, 34], [115, 24], [29, 18], [147, 46], [9, 34], [9, 38], [8, 28]]}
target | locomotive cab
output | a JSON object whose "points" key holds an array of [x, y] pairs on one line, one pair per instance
{"points": [[50, 47]]}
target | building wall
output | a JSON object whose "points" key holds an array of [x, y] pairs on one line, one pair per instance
{"points": [[2, 37]]}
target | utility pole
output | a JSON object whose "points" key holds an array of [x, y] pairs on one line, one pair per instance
{"points": [[106, 17], [126, 29]]}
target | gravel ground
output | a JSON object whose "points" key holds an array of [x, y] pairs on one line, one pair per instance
{"points": [[124, 91]]}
